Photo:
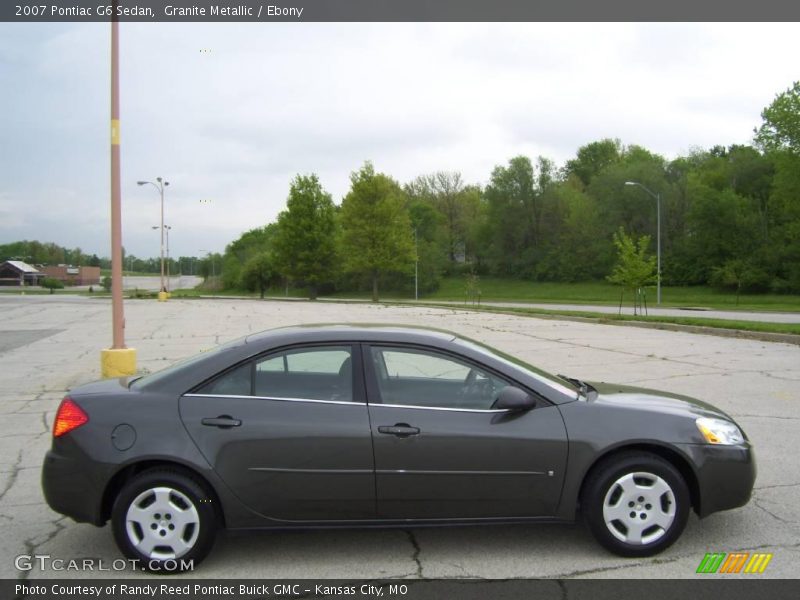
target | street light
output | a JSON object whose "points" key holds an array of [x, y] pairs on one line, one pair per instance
{"points": [[658, 234], [166, 228], [160, 187]]}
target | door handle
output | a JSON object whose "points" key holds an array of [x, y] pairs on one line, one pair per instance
{"points": [[400, 430], [222, 421]]}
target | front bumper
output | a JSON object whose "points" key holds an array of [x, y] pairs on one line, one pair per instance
{"points": [[725, 476]]}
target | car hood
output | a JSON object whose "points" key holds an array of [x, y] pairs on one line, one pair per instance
{"points": [[657, 401]]}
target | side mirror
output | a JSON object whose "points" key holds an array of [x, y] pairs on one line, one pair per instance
{"points": [[513, 398]]}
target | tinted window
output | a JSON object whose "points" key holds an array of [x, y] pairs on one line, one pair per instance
{"points": [[412, 377], [237, 382], [322, 373], [185, 364]]}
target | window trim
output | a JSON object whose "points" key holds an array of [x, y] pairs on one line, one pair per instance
{"points": [[358, 383], [274, 398]]}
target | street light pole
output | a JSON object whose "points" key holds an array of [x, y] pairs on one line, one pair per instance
{"points": [[160, 187], [165, 231], [167, 228], [657, 196]]}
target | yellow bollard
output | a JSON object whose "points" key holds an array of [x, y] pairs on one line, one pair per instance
{"points": [[118, 362]]}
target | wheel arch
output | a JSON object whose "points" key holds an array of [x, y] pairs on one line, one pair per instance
{"points": [[671, 455], [128, 472]]}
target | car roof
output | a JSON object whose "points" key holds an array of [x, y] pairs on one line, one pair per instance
{"points": [[185, 376], [367, 332]]}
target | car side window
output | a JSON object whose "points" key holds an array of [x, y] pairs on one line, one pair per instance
{"points": [[319, 373], [237, 382], [415, 377]]}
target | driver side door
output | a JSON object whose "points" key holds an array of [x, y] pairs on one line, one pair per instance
{"points": [[443, 452]]}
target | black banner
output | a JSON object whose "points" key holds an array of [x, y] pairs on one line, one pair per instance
{"points": [[397, 10]]}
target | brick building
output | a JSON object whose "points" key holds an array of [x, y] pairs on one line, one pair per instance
{"points": [[74, 275]]}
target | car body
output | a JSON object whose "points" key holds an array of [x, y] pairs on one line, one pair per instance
{"points": [[351, 426]]}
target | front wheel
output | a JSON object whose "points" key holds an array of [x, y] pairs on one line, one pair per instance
{"points": [[164, 520], [635, 504]]}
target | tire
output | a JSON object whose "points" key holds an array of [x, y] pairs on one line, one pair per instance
{"points": [[635, 504], [165, 520]]}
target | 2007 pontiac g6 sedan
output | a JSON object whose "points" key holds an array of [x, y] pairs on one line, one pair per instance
{"points": [[356, 426]]}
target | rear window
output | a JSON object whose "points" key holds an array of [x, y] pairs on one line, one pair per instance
{"points": [[158, 376]]}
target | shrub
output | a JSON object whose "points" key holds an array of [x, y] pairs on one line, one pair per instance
{"points": [[52, 284]]}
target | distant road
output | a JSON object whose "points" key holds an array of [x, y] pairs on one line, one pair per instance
{"points": [[731, 315], [154, 283]]}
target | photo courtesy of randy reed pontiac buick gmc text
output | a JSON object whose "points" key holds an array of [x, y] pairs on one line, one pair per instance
{"points": [[200, 590]]}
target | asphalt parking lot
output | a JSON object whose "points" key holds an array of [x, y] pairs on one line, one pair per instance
{"points": [[49, 343]]}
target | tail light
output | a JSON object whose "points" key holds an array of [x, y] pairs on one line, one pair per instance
{"points": [[68, 417]]}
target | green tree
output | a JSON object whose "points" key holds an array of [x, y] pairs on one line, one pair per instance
{"points": [[431, 242], [594, 158], [513, 217], [634, 269], [258, 272], [305, 241], [376, 231], [52, 284], [238, 252], [740, 275], [784, 211], [457, 203], [578, 253], [781, 126]]}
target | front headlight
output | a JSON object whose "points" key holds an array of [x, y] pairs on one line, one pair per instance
{"points": [[717, 431]]}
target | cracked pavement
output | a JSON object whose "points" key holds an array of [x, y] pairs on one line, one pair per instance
{"points": [[49, 343]]}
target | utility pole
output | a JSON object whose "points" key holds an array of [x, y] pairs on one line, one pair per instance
{"points": [[118, 361]]}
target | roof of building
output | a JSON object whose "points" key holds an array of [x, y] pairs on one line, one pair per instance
{"points": [[21, 266]]}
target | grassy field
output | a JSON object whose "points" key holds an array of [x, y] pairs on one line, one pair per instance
{"points": [[513, 290], [453, 289]]}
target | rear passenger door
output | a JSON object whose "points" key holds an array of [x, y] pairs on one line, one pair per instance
{"points": [[289, 433]]}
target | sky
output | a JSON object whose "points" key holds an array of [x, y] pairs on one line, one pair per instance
{"points": [[229, 114]]}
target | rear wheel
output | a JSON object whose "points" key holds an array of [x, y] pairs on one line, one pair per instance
{"points": [[165, 520], [635, 504]]}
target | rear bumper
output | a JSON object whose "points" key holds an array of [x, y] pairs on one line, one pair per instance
{"points": [[70, 490], [725, 475]]}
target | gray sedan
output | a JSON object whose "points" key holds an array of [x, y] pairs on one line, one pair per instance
{"points": [[356, 426]]}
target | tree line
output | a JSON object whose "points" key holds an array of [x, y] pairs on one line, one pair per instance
{"points": [[730, 218]]}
